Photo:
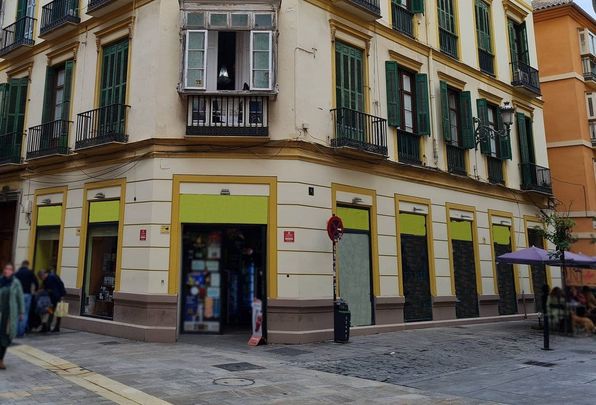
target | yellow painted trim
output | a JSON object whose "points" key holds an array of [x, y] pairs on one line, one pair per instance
{"points": [[405, 61], [451, 80], [85, 225], [429, 238], [508, 215], [472, 211], [62, 51], [175, 226], [33, 230], [516, 9], [535, 219], [17, 70], [374, 236], [490, 97]]}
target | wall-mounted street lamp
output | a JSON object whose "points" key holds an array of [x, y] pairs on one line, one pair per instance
{"points": [[484, 132]]}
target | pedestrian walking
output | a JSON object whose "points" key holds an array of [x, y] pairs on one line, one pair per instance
{"points": [[54, 287], [29, 283], [12, 309]]}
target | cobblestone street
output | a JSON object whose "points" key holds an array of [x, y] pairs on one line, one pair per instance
{"points": [[499, 362]]}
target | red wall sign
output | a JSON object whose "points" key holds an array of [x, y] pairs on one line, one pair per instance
{"points": [[289, 236], [143, 234]]}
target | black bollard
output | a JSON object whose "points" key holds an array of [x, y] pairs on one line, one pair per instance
{"points": [[545, 290]]}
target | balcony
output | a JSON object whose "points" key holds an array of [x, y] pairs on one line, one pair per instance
{"points": [[525, 77], [408, 147], [48, 139], [102, 126], [17, 38], [536, 178], [592, 127], [495, 170], [402, 19], [456, 160], [368, 10], [448, 42], [58, 17], [589, 68], [10, 148], [97, 8], [359, 131], [223, 115], [486, 61]]}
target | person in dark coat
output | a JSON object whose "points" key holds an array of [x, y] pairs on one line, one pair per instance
{"points": [[30, 285], [12, 309], [52, 284]]}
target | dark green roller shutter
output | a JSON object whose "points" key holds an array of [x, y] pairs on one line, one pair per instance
{"points": [[392, 78], [467, 120], [482, 107], [504, 143], [68, 70], [445, 112], [523, 138], [417, 6], [422, 106], [48, 95]]}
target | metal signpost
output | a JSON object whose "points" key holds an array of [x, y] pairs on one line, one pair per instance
{"points": [[341, 312], [335, 230]]}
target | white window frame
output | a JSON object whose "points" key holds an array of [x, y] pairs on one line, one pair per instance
{"points": [[270, 85], [205, 45], [591, 96]]}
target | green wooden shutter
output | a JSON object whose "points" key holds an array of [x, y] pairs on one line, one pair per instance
{"points": [[114, 74], [422, 106], [17, 100], [417, 6], [445, 112], [48, 95], [68, 70], [21, 9], [483, 26], [349, 77], [504, 143], [512, 41], [523, 138], [3, 107], [467, 120], [392, 79], [482, 107], [524, 52]]}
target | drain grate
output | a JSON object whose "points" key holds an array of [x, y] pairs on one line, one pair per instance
{"points": [[539, 363], [234, 382], [288, 351], [110, 343], [242, 366]]}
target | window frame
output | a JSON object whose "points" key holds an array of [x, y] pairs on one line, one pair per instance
{"points": [[458, 141], [186, 50], [251, 64], [495, 145], [413, 99]]}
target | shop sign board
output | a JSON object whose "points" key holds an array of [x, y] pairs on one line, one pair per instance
{"points": [[289, 236]]}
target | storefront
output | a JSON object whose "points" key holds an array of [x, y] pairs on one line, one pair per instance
{"points": [[502, 243], [461, 227]]}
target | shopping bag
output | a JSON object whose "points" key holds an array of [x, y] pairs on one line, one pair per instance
{"points": [[61, 309]]}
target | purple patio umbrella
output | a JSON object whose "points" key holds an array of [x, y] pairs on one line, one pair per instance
{"points": [[531, 256], [578, 259]]}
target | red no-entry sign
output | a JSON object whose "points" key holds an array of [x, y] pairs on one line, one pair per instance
{"points": [[335, 228]]}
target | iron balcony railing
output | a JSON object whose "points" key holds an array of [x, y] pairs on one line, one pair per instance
{"points": [[456, 160], [402, 19], [495, 170], [46, 139], [526, 76], [58, 13], [103, 125], [408, 147], [448, 42], [358, 130], [10, 147], [536, 178], [589, 68], [486, 60], [592, 128], [370, 5], [17, 34], [222, 115], [95, 4]]}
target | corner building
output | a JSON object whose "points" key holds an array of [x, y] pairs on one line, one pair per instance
{"points": [[173, 160]]}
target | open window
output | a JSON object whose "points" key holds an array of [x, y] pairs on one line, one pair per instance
{"points": [[228, 51]]}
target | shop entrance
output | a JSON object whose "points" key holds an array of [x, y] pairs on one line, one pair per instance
{"points": [[47, 241], [7, 229], [223, 271], [464, 268], [505, 274]]}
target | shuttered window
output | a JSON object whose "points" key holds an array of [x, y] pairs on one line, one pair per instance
{"points": [[525, 137], [518, 42], [392, 83], [483, 26], [114, 73], [446, 15], [57, 94], [407, 99], [14, 108], [349, 77], [422, 104], [456, 117]]}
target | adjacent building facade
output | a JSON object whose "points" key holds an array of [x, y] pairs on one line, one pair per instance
{"points": [[175, 160], [566, 42]]}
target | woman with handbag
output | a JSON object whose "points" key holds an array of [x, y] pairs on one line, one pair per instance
{"points": [[12, 309]]}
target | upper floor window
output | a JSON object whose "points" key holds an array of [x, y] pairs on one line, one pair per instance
{"points": [[458, 126], [587, 42], [518, 42], [230, 51], [447, 28], [57, 92], [402, 13], [483, 34]]}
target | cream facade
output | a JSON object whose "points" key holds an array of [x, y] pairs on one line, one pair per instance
{"points": [[178, 124]]}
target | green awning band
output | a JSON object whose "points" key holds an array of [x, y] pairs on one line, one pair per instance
{"points": [[461, 230], [412, 224], [104, 211], [501, 235], [354, 218], [223, 209], [49, 215]]}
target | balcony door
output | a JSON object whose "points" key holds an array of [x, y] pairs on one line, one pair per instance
{"points": [[13, 108], [24, 28], [112, 96], [349, 95], [518, 43], [56, 108]]}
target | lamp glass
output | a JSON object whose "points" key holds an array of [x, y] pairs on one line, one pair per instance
{"points": [[507, 111]]}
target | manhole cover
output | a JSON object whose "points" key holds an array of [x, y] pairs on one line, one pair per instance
{"points": [[239, 366], [110, 343], [234, 382], [539, 363], [288, 351]]}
